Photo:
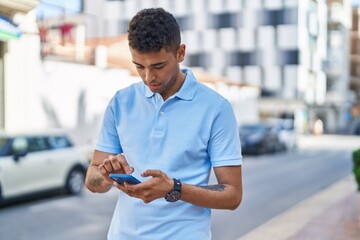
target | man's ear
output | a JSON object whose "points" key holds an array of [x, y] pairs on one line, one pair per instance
{"points": [[181, 53]]}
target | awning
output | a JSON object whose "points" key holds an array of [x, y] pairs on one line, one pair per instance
{"points": [[8, 30]]}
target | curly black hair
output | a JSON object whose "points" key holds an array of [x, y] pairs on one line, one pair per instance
{"points": [[153, 29]]}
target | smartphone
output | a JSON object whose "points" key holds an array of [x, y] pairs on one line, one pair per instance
{"points": [[121, 178]]}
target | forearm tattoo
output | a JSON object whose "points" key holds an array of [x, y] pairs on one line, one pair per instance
{"points": [[96, 180], [218, 187]]}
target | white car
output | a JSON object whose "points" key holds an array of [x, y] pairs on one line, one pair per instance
{"points": [[34, 163]]}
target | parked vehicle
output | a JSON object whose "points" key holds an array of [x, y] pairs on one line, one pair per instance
{"points": [[259, 138], [34, 163], [286, 132], [355, 127]]}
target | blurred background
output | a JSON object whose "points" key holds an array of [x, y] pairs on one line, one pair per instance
{"points": [[271, 59], [290, 68]]}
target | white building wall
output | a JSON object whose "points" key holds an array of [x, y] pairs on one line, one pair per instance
{"points": [[218, 6], [266, 37], [291, 78], [253, 75], [180, 8], [209, 40], [234, 73], [272, 78], [96, 17], [22, 73], [227, 38], [233, 6], [287, 36], [246, 39], [252, 4], [273, 4], [192, 40]]}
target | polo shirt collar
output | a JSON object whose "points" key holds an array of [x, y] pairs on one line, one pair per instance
{"points": [[148, 92], [187, 90], [189, 87]]}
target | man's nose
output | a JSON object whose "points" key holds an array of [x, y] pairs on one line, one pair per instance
{"points": [[149, 75]]}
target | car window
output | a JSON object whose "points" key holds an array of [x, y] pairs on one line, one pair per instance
{"points": [[36, 144], [5, 146], [58, 142]]}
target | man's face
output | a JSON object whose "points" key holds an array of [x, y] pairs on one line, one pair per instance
{"points": [[160, 71]]}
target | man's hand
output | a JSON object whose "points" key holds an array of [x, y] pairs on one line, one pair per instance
{"points": [[114, 164], [102, 164], [156, 187]]}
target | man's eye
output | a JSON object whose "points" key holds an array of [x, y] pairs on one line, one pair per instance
{"points": [[159, 67], [139, 67]]}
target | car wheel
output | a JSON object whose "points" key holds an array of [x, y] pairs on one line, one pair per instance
{"points": [[75, 181]]}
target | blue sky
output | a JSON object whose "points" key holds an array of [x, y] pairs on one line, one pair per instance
{"points": [[53, 8]]}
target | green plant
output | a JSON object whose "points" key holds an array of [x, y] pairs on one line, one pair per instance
{"points": [[356, 167]]}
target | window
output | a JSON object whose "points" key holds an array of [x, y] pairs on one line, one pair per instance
{"points": [[224, 20], [243, 58], [4, 146], [37, 144], [286, 16], [57, 142], [198, 60], [288, 57], [185, 22]]}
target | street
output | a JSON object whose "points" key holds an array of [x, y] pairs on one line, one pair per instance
{"points": [[272, 184]]}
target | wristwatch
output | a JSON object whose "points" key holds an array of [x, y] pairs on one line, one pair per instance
{"points": [[175, 193]]}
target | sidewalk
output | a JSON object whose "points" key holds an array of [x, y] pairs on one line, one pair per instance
{"points": [[332, 214]]}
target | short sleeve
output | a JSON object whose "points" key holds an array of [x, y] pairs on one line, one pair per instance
{"points": [[224, 145], [108, 140]]}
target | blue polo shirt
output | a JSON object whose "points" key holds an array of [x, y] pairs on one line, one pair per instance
{"points": [[184, 137]]}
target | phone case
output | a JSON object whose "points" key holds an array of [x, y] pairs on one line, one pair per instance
{"points": [[121, 178]]}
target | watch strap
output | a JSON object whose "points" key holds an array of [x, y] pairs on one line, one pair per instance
{"points": [[175, 194], [177, 185]]}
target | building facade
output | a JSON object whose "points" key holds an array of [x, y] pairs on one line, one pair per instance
{"points": [[337, 106], [276, 45], [18, 39], [354, 101], [293, 51], [355, 52]]}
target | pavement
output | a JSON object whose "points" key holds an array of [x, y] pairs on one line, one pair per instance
{"points": [[331, 214]]}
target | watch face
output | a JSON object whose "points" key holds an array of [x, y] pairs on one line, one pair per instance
{"points": [[173, 196]]}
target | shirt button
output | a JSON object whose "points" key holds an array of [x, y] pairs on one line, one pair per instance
{"points": [[161, 113]]}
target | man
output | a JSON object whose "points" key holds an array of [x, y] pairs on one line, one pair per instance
{"points": [[168, 131]]}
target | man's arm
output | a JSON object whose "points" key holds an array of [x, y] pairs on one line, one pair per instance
{"points": [[102, 164], [227, 194], [94, 181]]}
